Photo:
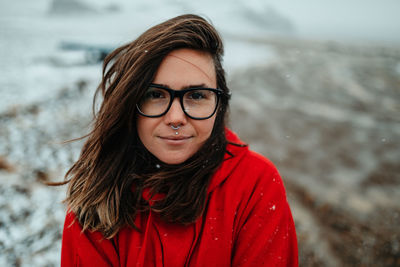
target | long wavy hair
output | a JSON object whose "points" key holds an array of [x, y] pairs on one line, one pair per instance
{"points": [[106, 183]]}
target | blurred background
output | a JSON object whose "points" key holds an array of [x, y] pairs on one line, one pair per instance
{"points": [[316, 88]]}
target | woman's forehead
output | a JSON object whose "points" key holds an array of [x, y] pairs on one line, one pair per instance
{"points": [[186, 60]]}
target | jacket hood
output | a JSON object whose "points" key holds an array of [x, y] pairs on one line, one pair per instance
{"points": [[235, 151]]}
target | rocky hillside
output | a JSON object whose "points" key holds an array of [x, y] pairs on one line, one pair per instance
{"points": [[328, 115]]}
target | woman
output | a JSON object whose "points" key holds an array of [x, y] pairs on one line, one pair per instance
{"points": [[161, 181]]}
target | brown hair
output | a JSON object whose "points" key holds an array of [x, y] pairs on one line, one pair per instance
{"points": [[106, 183]]}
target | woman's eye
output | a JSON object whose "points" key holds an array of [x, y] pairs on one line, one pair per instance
{"points": [[154, 94], [197, 95]]}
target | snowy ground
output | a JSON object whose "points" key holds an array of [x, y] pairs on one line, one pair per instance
{"points": [[326, 113]]}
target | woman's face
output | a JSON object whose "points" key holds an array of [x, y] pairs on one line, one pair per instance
{"points": [[180, 69]]}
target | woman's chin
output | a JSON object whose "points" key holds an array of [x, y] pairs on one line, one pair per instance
{"points": [[174, 158]]}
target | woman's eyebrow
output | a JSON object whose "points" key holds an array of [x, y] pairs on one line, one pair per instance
{"points": [[195, 86], [202, 85], [162, 85]]}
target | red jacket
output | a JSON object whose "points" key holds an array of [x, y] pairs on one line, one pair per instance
{"points": [[247, 222]]}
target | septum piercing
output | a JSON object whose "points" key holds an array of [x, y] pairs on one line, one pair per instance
{"points": [[175, 128]]}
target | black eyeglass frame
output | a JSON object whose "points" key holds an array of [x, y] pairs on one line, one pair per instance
{"points": [[180, 94]]}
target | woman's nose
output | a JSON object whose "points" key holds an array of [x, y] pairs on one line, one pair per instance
{"points": [[175, 114]]}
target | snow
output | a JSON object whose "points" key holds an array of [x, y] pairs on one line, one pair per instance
{"points": [[37, 75]]}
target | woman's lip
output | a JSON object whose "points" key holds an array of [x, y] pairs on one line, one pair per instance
{"points": [[175, 137], [175, 140]]}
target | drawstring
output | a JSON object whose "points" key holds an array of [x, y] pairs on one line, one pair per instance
{"points": [[197, 230], [143, 249]]}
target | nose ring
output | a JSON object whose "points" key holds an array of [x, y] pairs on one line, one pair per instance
{"points": [[175, 128]]}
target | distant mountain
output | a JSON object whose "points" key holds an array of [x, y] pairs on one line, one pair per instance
{"points": [[60, 7]]}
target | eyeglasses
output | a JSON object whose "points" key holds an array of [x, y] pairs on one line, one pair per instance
{"points": [[197, 103]]}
